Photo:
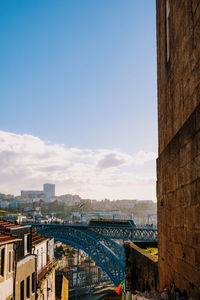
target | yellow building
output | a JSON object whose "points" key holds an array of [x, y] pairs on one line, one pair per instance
{"points": [[61, 287]]}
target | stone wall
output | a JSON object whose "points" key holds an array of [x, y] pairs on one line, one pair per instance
{"points": [[178, 164], [142, 269], [178, 169], [178, 79]]}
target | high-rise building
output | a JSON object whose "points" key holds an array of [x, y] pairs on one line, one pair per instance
{"points": [[178, 165], [49, 189]]}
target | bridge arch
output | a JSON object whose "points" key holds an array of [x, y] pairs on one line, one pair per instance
{"points": [[101, 249]]}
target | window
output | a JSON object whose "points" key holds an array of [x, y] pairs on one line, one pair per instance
{"points": [[22, 290], [38, 260], [13, 260], [33, 282], [167, 30], [9, 261], [41, 257], [28, 287], [26, 244], [2, 259], [48, 290]]}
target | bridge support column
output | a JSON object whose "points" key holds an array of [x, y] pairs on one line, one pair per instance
{"points": [[90, 277], [77, 277]]}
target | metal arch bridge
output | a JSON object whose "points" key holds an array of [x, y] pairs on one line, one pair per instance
{"points": [[98, 243]]}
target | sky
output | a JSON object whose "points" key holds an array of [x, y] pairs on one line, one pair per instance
{"points": [[78, 97]]}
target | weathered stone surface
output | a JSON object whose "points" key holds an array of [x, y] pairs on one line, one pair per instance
{"points": [[178, 81], [142, 272], [178, 164]]}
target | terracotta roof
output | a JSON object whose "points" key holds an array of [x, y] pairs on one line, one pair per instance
{"points": [[6, 238], [4, 224], [37, 238]]}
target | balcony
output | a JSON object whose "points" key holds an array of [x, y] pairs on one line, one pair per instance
{"points": [[46, 269]]}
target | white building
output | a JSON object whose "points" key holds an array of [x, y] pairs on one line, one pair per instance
{"points": [[4, 204], [43, 248], [48, 191], [31, 193]]}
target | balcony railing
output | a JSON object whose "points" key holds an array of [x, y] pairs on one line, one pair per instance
{"points": [[47, 268]]}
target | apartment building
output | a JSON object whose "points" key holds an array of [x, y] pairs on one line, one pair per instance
{"points": [[43, 248], [7, 265], [18, 265]]}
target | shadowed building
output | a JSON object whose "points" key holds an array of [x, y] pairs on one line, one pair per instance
{"points": [[178, 165], [7, 265], [21, 263]]}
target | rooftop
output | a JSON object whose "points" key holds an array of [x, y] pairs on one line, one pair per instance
{"points": [[4, 224], [37, 238], [6, 238]]}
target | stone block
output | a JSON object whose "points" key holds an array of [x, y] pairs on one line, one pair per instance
{"points": [[197, 122], [193, 188], [194, 169], [188, 272], [195, 4], [193, 238], [197, 258], [178, 250], [190, 217], [197, 35], [197, 217], [188, 255]]}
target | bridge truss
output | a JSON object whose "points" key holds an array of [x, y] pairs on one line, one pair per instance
{"points": [[106, 253], [137, 234], [98, 242]]}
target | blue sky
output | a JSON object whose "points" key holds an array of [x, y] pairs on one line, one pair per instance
{"points": [[81, 74]]}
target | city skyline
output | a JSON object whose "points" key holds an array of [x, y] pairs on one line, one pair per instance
{"points": [[104, 173], [74, 107]]}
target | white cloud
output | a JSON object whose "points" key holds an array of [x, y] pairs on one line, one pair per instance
{"points": [[27, 162], [111, 160]]}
